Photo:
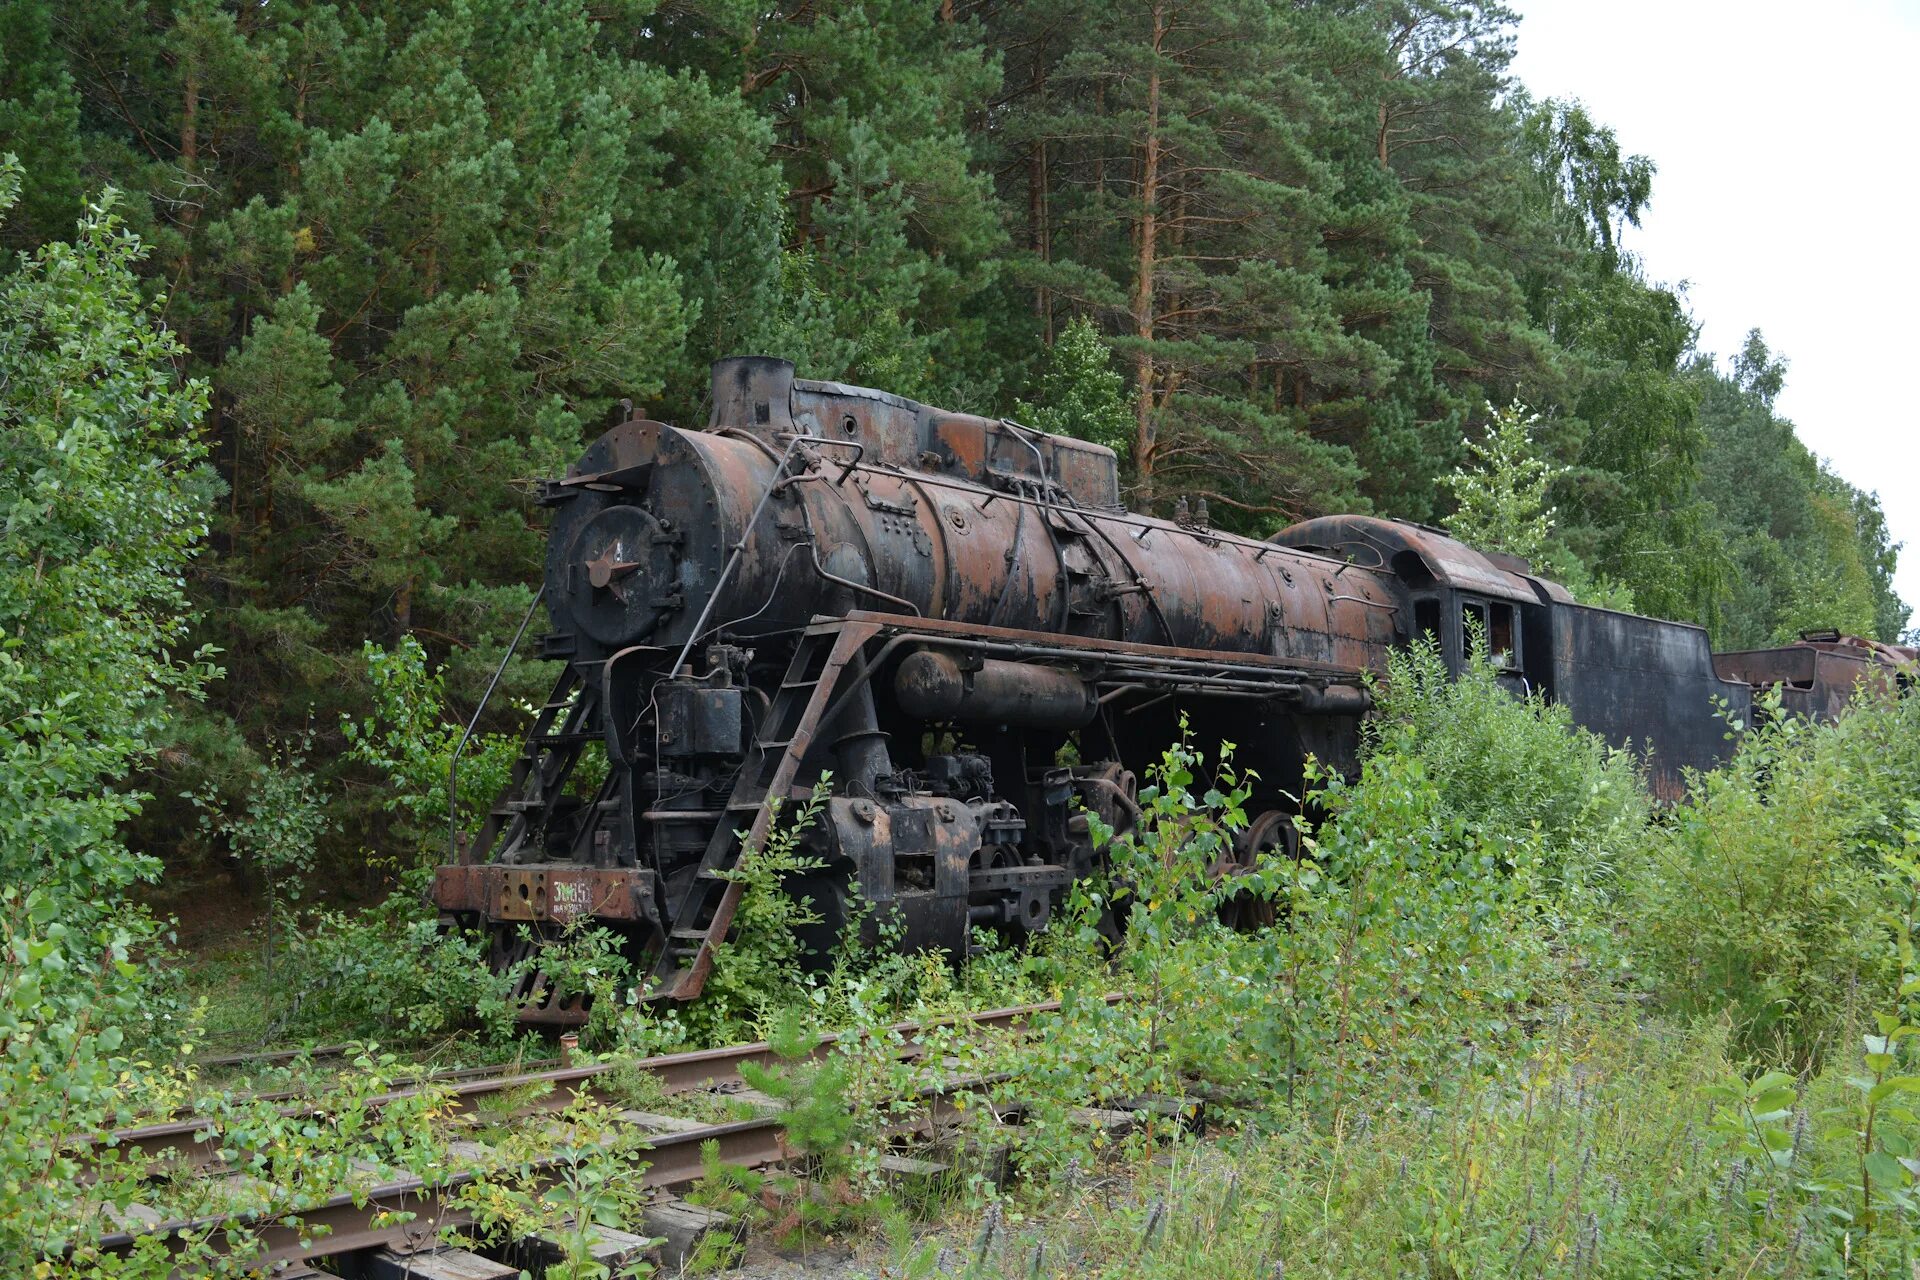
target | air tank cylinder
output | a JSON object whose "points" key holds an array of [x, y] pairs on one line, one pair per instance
{"points": [[935, 685]]}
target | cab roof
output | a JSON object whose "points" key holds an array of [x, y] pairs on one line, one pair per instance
{"points": [[1421, 555]]}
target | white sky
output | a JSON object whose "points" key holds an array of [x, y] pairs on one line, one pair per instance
{"points": [[1787, 198]]}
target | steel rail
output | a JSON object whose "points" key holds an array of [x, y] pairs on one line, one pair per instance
{"points": [[196, 1140], [185, 1123], [352, 1221], [360, 1219], [364, 1217]]}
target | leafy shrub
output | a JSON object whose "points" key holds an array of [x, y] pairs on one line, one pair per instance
{"points": [[102, 501], [272, 830], [757, 971], [1416, 940], [409, 738], [1510, 765], [389, 972], [1763, 893], [1080, 392]]}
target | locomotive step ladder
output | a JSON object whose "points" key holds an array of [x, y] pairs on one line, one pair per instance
{"points": [[702, 912], [566, 722]]}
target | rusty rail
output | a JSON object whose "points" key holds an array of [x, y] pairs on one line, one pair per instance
{"points": [[196, 1140], [184, 1123], [364, 1218]]}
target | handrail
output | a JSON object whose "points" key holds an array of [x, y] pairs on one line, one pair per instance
{"points": [[453, 765]]}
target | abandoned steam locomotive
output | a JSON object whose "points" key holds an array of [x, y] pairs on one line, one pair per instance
{"points": [[928, 606]]}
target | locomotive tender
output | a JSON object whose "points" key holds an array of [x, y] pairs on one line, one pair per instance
{"points": [[929, 606]]}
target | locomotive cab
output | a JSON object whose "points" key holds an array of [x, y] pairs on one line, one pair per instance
{"points": [[1640, 683], [1462, 599]]}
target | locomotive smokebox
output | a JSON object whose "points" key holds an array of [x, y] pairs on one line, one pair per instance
{"points": [[644, 526], [939, 686]]}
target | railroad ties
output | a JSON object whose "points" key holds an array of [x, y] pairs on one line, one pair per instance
{"points": [[394, 1224]]}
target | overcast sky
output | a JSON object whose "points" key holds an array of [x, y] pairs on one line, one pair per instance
{"points": [[1786, 199]]}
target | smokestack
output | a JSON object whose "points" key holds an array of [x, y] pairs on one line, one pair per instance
{"points": [[754, 393]]}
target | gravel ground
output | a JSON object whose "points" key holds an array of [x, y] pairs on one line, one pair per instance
{"points": [[823, 1262]]}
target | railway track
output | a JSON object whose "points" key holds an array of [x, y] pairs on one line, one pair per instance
{"points": [[386, 1215], [189, 1135]]}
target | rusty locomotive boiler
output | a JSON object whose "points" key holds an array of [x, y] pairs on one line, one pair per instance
{"points": [[924, 608]]}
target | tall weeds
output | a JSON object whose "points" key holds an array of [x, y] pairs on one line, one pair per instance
{"points": [[1764, 895]]}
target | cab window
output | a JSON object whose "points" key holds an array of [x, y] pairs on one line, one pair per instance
{"points": [[1426, 618], [1491, 621]]}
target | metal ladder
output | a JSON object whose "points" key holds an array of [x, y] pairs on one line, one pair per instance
{"points": [[565, 723], [702, 913]]}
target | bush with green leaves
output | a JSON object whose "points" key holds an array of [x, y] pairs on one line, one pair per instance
{"points": [[758, 970], [390, 972], [1408, 945], [1508, 765], [1081, 393], [1763, 894], [272, 830], [409, 739], [102, 507]]}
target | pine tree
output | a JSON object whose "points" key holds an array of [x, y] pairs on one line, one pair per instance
{"points": [[1171, 191], [421, 252], [1435, 246], [39, 126], [890, 232]]}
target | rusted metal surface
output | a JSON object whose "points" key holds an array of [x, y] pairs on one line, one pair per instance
{"points": [[1821, 674], [759, 395], [985, 534], [1419, 556], [556, 893], [363, 1218], [939, 686], [195, 1141]]}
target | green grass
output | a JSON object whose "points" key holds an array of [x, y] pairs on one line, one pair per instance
{"points": [[226, 980], [1593, 1158]]}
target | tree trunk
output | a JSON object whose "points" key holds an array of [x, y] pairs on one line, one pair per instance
{"points": [[189, 163], [1038, 233], [1143, 273]]}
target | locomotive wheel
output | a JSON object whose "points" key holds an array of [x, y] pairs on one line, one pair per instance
{"points": [[1272, 832]]}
